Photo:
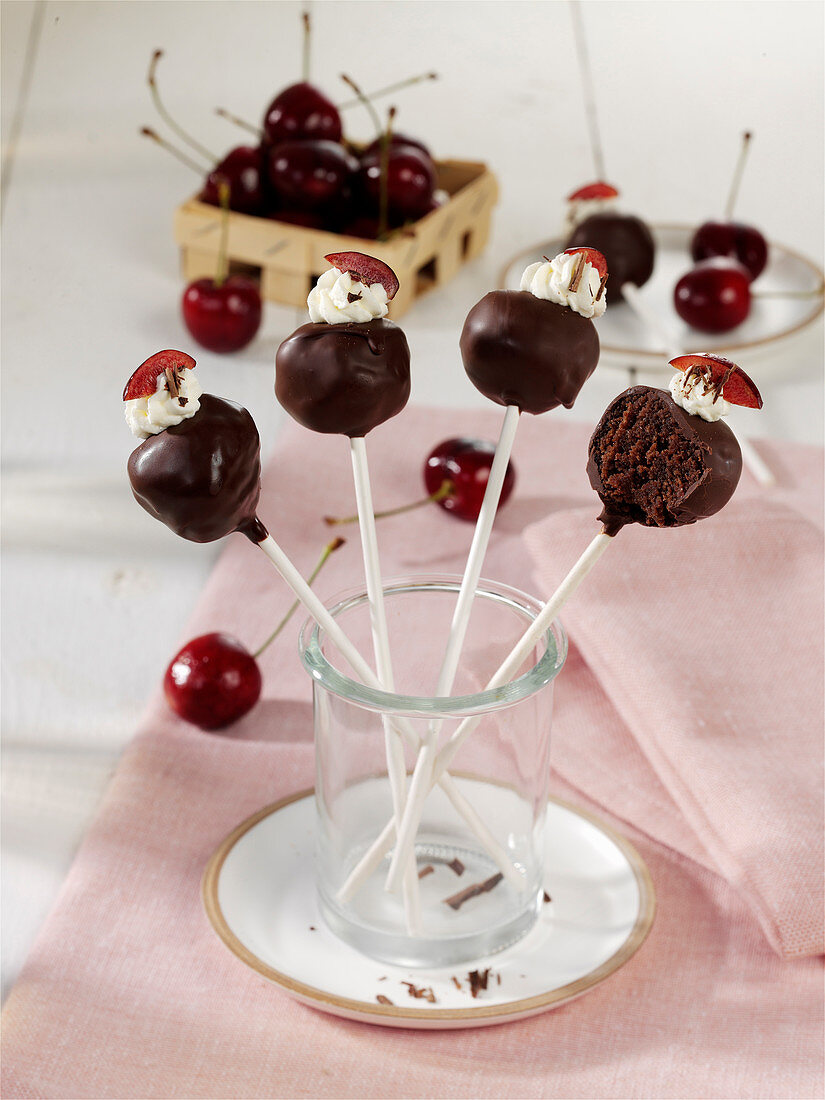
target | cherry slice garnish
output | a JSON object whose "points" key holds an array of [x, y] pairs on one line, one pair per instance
{"points": [[144, 380], [592, 256], [367, 269], [737, 387], [597, 190]]}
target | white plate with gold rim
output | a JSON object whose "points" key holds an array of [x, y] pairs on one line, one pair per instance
{"points": [[762, 336], [259, 894]]}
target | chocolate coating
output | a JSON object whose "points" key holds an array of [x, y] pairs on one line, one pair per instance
{"points": [[624, 241], [343, 379], [202, 477], [655, 464], [525, 351]]}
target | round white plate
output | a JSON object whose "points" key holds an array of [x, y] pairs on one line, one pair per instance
{"points": [[625, 341], [259, 894]]}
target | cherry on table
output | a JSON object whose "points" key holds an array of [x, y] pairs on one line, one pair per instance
{"points": [[465, 464], [733, 240], [714, 296], [213, 681], [222, 316]]}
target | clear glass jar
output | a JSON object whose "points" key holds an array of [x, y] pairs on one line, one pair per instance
{"points": [[477, 882]]}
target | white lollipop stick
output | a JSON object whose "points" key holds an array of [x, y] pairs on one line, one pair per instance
{"points": [[333, 630], [396, 766], [540, 625], [750, 456], [421, 780]]}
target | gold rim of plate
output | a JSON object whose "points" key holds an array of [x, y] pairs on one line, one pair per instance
{"points": [[637, 936], [670, 227]]}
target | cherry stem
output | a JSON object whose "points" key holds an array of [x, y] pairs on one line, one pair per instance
{"points": [[588, 88], [445, 489], [383, 183], [365, 102], [390, 88], [307, 43], [167, 118], [737, 175], [146, 131], [223, 113], [222, 272], [329, 549]]}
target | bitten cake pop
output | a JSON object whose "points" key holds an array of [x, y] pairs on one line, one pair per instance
{"points": [[667, 459], [625, 241], [536, 347], [349, 369], [198, 469]]}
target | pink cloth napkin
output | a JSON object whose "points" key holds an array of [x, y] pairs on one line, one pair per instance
{"points": [[128, 992], [707, 640]]}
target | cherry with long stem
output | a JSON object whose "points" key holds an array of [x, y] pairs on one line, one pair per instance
{"points": [[383, 135]]}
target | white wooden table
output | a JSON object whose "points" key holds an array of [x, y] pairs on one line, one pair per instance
{"points": [[95, 593]]}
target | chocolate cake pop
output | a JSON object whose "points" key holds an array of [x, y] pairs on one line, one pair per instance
{"points": [[536, 347], [348, 370], [625, 241], [667, 459], [198, 469]]}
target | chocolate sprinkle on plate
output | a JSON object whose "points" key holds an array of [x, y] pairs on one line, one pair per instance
{"points": [[457, 900], [382, 1000], [428, 870]]}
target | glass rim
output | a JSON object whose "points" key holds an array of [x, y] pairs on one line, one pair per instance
{"points": [[452, 706]]}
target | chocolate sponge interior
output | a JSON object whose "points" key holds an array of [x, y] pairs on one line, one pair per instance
{"points": [[647, 467]]}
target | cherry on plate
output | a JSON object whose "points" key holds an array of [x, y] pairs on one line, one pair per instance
{"points": [[732, 240], [715, 296]]}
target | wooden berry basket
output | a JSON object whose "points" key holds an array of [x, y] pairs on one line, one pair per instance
{"points": [[288, 258]]}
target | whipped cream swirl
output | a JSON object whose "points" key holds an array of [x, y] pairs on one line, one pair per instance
{"points": [[338, 298], [580, 209], [551, 280], [160, 410], [696, 393]]}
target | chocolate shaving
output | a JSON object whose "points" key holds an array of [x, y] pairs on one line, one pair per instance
{"points": [[312, 928], [456, 982], [577, 274], [428, 870], [457, 900], [172, 381], [546, 897], [602, 285], [354, 297], [424, 993], [382, 1000], [498, 979], [478, 980], [457, 866], [383, 978], [356, 278]]}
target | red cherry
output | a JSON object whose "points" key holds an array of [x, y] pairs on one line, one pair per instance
{"points": [[597, 190], [310, 174], [411, 180], [222, 317], [592, 256], [397, 139], [737, 387], [733, 240], [367, 268], [242, 170], [714, 297], [301, 112], [144, 380], [466, 464], [213, 681]]}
